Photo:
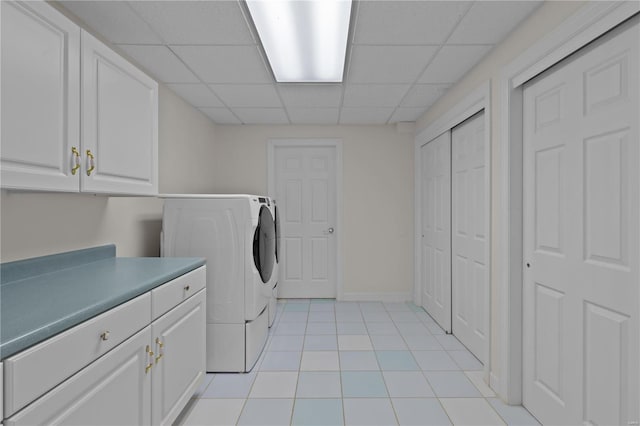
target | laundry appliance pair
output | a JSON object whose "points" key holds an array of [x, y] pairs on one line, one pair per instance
{"points": [[236, 234]]}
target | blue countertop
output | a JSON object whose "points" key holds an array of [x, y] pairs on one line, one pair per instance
{"points": [[43, 296]]}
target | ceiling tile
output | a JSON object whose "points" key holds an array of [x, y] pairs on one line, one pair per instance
{"points": [[310, 95], [225, 64], [114, 20], [407, 22], [374, 95], [407, 114], [397, 67], [314, 115], [452, 62], [365, 115], [424, 95], [221, 115], [198, 95], [161, 62], [388, 64], [204, 22], [262, 115], [247, 95], [488, 22]]}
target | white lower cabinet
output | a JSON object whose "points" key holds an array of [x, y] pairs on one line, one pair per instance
{"points": [[147, 379], [179, 346], [114, 390]]}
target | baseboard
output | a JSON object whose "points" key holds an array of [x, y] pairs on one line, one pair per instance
{"points": [[494, 384], [377, 297]]}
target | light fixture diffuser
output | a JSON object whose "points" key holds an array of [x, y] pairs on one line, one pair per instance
{"points": [[305, 40]]}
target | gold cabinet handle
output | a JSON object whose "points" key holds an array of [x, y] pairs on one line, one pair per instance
{"points": [[150, 365], [105, 335], [160, 351], [75, 159], [91, 161]]}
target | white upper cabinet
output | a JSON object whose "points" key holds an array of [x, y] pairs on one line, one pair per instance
{"points": [[40, 97], [119, 123], [42, 147]]}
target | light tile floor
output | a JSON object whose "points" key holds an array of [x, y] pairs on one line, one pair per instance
{"points": [[349, 363]]}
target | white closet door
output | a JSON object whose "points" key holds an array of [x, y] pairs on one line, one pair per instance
{"points": [[581, 236], [469, 236], [436, 228], [306, 192]]}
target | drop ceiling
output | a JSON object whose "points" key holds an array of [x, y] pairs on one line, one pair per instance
{"points": [[402, 56]]}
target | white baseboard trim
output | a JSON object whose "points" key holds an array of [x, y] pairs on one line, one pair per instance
{"points": [[494, 384], [378, 297]]}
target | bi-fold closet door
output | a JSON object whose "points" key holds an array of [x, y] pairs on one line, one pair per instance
{"points": [[454, 234]]}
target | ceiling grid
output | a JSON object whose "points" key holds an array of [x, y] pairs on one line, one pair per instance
{"points": [[401, 56]]}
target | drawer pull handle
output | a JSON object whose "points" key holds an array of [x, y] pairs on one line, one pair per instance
{"points": [[105, 335], [158, 358], [147, 368], [187, 287]]}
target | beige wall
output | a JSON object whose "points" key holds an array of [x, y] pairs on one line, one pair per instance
{"points": [[187, 143], [377, 234], [35, 224], [549, 16]]}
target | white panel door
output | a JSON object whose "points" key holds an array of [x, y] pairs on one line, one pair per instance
{"points": [[582, 236], [436, 228], [469, 236], [40, 97], [305, 180], [119, 123]]}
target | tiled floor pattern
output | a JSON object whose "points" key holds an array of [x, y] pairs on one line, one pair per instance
{"points": [[367, 363]]}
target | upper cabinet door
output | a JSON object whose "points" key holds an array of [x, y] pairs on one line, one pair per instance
{"points": [[119, 124], [40, 97]]}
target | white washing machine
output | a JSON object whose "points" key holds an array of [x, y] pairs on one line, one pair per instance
{"points": [[273, 292], [236, 235]]}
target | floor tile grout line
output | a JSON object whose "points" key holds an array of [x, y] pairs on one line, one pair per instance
{"points": [[381, 371]]}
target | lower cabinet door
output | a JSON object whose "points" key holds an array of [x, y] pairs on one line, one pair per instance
{"points": [[114, 390], [179, 346]]}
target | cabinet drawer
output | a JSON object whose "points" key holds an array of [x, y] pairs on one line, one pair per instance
{"points": [[38, 369], [169, 295]]}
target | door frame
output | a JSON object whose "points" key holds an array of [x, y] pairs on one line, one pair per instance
{"points": [[590, 22], [476, 101], [336, 143]]}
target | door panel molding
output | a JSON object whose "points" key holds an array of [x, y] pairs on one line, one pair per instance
{"points": [[336, 143]]}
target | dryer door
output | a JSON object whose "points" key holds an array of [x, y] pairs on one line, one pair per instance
{"points": [[277, 222], [264, 244]]}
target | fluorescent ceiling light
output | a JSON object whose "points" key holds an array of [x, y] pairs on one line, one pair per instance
{"points": [[305, 40]]}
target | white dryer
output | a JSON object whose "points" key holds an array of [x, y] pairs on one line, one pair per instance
{"points": [[236, 236]]}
